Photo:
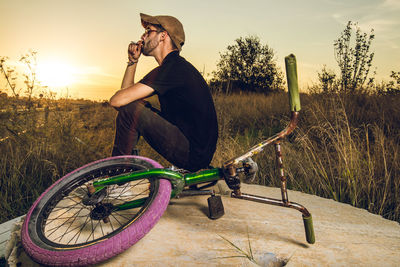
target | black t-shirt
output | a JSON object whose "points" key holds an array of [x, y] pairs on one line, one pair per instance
{"points": [[186, 102]]}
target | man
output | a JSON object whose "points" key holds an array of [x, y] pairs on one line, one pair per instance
{"points": [[185, 130]]}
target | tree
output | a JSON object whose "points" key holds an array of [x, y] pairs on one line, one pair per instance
{"points": [[247, 65], [354, 62], [393, 86], [327, 79]]}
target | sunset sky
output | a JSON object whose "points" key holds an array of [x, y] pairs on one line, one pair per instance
{"points": [[82, 44]]}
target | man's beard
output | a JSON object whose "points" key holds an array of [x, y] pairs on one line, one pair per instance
{"points": [[149, 47]]}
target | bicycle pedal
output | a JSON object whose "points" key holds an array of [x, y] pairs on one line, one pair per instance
{"points": [[215, 207]]}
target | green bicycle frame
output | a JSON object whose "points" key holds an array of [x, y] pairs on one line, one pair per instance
{"points": [[177, 180]]}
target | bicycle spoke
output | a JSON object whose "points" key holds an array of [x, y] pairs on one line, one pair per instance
{"points": [[67, 232], [140, 182], [119, 187], [68, 227], [133, 195], [141, 193], [66, 211], [123, 190], [70, 231], [70, 198], [101, 227], [91, 223], [129, 198], [127, 218], [79, 232], [65, 218], [58, 227], [61, 208], [92, 233], [112, 228], [116, 219]]}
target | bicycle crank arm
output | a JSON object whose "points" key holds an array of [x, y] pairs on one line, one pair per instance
{"points": [[307, 218]]}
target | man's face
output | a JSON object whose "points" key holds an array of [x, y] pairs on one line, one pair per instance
{"points": [[150, 40]]}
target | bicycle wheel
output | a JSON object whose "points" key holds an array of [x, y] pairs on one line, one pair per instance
{"points": [[62, 228]]}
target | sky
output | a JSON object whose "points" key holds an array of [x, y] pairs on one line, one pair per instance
{"points": [[81, 45]]}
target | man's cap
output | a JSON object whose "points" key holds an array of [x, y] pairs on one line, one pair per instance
{"points": [[171, 24]]}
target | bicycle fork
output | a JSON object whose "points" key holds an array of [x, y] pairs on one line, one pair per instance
{"points": [[233, 182]]}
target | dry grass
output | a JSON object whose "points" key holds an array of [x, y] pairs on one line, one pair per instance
{"points": [[346, 147], [39, 152], [350, 149]]}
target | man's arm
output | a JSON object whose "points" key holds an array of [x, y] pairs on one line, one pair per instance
{"points": [[129, 90], [130, 94], [129, 76]]}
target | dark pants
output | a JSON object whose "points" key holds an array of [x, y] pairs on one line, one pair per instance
{"points": [[137, 119]]}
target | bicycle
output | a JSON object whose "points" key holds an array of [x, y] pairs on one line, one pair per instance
{"points": [[106, 206]]}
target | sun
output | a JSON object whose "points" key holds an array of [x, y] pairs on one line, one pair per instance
{"points": [[55, 74]]}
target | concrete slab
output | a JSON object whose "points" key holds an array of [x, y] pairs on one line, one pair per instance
{"points": [[5, 232], [345, 236]]}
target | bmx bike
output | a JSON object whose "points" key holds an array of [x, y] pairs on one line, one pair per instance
{"points": [[104, 207]]}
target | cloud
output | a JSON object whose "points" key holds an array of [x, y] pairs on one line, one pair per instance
{"points": [[395, 4], [378, 24], [380, 16]]}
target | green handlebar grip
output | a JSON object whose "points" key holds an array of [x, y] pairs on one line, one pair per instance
{"points": [[309, 228], [293, 86]]}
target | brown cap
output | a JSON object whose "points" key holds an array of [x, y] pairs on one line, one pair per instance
{"points": [[170, 24]]}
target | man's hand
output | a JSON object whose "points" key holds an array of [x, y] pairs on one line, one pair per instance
{"points": [[134, 51]]}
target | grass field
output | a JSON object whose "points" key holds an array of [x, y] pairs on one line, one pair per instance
{"points": [[345, 148]]}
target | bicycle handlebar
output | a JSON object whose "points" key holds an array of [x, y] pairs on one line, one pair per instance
{"points": [[293, 87]]}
